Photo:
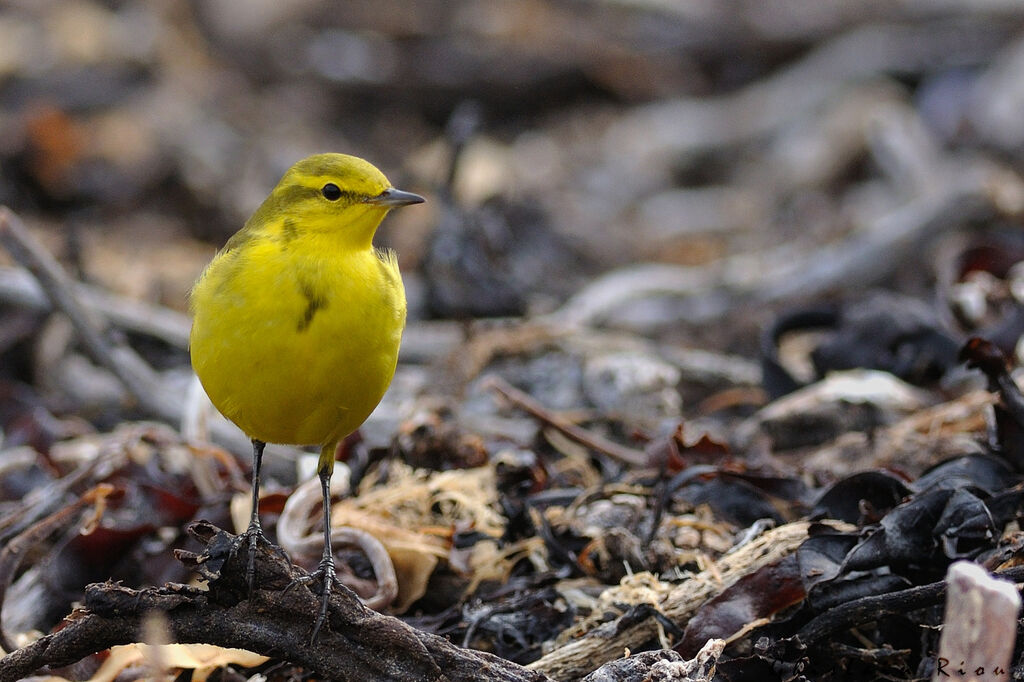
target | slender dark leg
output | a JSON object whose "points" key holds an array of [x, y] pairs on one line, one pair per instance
{"points": [[325, 571], [326, 568], [255, 532]]}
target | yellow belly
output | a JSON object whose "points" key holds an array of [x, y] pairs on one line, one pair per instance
{"points": [[295, 351]]}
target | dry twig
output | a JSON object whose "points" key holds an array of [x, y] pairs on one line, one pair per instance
{"points": [[593, 441]]}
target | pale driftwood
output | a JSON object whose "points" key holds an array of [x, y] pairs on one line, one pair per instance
{"points": [[980, 625], [678, 602]]}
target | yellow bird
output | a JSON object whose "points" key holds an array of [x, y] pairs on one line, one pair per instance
{"points": [[298, 319]]}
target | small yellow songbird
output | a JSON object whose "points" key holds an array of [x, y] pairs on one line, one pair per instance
{"points": [[298, 319]]}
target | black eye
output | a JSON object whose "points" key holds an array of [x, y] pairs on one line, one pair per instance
{"points": [[331, 192]]}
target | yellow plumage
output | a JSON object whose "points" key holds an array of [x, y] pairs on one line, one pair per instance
{"points": [[298, 319]]}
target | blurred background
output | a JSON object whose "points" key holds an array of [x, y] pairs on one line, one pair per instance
{"points": [[677, 170], [681, 171], [557, 139], [630, 204]]}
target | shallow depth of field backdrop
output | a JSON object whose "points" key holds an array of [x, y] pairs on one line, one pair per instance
{"points": [[625, 198]]}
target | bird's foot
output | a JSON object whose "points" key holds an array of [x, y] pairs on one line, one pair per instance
{"points": [[326, 576], [253, 536]]}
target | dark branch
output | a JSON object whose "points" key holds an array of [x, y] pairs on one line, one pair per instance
{"points": [[276, 622]]}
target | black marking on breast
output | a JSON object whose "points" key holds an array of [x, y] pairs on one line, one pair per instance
{"points": [[315, 302], [289, 230]]}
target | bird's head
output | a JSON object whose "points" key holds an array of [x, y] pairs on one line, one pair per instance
{"points": [[338, 194]]}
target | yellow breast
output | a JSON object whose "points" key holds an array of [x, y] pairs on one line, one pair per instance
{"points": [[296, 340]]}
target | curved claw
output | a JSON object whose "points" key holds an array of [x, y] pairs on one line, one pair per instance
{"points": [[253, 535], [302, 580], [326, 576]]}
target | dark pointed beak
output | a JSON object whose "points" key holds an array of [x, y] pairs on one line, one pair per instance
{"points": [[392, 198]]}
